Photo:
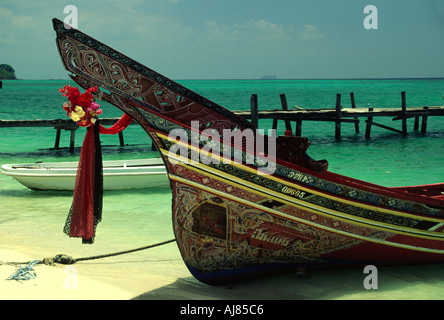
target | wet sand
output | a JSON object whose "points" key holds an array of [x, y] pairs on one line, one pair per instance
{"points": [[150, 276]]}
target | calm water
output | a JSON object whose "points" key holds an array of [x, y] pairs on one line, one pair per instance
{"points": [[33, 220]]}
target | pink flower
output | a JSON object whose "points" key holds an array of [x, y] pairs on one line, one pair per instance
{"points": [[94, 105], [85, 110]]}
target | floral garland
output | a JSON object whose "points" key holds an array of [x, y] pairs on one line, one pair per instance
{"points": [[81, 107], [86, 208]]}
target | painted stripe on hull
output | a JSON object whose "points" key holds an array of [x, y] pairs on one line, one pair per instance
{"points": [[198, 167], [289, 183], [306, 222]]}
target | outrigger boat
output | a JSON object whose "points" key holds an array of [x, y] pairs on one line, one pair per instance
{"points": [[117, 174], [234, 220]]}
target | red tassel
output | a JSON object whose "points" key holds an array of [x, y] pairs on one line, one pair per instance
{"points": [[86, 208], [82, 220]]}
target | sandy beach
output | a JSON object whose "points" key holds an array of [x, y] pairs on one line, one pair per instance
{"points": [[53, 283], [146, 276]]}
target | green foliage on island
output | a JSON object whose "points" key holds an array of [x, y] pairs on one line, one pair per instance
{"points": [[7, 72]]}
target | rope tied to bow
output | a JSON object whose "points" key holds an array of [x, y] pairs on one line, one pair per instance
{"points": [[27, 272]]}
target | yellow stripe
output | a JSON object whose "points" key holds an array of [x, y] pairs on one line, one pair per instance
{"points": [[293, 218], [313, 191], [423, 234]]}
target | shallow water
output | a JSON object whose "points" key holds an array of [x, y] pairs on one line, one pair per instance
{"points": [[32, 221]]}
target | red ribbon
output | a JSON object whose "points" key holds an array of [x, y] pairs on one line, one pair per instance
{"points": [[119, 126], [86, 209]]}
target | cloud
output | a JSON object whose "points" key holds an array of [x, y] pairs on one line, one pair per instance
{"points": [[269, 31], [249, 33], [21, 29], [310, 33], [262, 31], [7, 16]]}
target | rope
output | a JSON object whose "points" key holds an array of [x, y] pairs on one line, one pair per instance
{"points": [[28, 272], [121, 252], [25, 273]]}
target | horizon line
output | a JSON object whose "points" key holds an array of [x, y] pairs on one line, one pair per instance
{"points": [[259, 79]]}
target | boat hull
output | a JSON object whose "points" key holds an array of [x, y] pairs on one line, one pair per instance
{"points": [[242, 235], [233, 222], [117, 174]]}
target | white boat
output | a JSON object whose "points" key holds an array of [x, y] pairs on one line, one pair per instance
{"points": [[117, 174]]}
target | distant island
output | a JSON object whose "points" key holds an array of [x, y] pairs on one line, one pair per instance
{"points": [[268, 78], [7, 72]]}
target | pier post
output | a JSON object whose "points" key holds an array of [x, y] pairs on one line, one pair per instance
{"points": [[71, 141], [298, 132], [424, 121], [285, 107], [416, 125], [70, 126], [353, 104], [338, 117], [57, 139], [368, 127], [122, 143], [403, 114], [254, 110]]}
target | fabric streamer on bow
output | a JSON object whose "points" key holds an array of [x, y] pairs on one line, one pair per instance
{"points": [[86, 209]]}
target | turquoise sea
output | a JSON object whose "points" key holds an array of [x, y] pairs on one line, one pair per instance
{"points": [[32, 221]]}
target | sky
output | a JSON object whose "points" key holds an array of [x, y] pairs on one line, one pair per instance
{"points": [[237, 39]]}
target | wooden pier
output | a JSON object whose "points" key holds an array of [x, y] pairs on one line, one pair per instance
{"points": [[340, 115], [337, 115], [59, 125]]}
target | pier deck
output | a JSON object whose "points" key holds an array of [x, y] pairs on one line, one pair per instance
{"points": [[338, 115], [59, 125]]}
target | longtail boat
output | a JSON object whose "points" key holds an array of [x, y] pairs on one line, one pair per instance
{"points": [[241, 212]]}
